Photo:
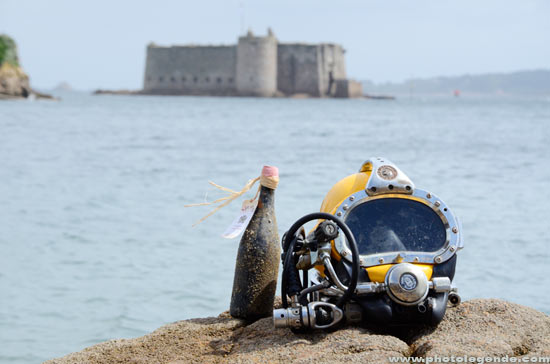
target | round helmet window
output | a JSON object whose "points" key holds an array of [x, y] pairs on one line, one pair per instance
{"points": [[396, 224]]}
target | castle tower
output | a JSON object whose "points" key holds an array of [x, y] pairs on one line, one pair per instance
{"points": [[257, 65]]}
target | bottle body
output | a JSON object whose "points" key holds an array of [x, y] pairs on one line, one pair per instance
{"points": [[257, 265]]}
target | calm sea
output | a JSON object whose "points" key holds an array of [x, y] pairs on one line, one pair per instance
{"points": [[95, 243]]}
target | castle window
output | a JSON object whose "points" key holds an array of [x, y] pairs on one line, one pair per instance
{"points": [[183, 79], [219, 80], [230, 80], [207, 79], [161, 79], [195, 79]]}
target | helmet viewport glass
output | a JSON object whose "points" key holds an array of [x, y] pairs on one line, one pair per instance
{"points": [[396, 224]]}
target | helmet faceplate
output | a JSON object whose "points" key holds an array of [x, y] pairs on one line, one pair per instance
{"points": [[392, 221]]}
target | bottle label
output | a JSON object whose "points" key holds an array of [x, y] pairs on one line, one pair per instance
{"points": [[241, 221]]}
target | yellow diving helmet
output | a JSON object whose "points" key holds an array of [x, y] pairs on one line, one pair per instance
{"points": [[384, 252]]}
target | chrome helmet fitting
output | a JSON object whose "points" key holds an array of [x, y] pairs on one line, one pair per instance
{"points": [[406, 284]]}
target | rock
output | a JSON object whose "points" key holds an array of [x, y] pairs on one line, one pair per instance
{"points": [[479, 327], [14, 82], [115, 92], [487, 328]]}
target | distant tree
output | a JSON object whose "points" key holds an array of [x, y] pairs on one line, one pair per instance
{"points": [[8, 51]]}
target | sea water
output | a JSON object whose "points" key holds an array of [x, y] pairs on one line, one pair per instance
{"points": [[95, 243]]}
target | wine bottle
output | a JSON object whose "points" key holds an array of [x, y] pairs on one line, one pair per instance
{"points": [[258, 257]]}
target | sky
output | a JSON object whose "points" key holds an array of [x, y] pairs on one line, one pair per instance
{"points": [[101, 43]]}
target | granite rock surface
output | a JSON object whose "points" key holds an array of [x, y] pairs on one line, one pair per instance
{"points": [[481, 327]]}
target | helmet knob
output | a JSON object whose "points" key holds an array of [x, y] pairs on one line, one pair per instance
{"points": [[326, 231], [407, 284]]}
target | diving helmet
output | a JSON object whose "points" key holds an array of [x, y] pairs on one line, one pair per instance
{"points": [[383, 252]]}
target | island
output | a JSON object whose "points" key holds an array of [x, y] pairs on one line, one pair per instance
{"points": [[14, 82]]}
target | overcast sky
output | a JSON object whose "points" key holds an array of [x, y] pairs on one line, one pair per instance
{"points": [[101, 43]]}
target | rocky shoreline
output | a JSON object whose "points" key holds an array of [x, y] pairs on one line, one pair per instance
{"points": [[14, 82], [477, 328]]}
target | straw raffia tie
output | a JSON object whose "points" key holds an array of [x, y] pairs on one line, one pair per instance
{"points": [[224, 201]]}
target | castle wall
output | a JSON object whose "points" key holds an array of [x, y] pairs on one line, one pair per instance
{"points": [[309, 68], [297, 69], [191, 70], [347, 89], [332, 67], [257, 65]]}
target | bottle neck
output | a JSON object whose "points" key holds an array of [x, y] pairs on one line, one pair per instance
{"points": [[264, 189], [267, 196]]}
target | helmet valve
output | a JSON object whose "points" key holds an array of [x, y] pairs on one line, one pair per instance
{"points": [[316, 315]]}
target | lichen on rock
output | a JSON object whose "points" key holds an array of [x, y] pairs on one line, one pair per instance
{"points": [[481, 327]]}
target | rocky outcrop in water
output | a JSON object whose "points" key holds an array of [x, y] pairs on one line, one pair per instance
{"points": [[14, 82], [477, 328]]}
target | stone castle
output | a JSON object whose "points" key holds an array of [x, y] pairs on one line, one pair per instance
{"points": [[256, 66]]}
